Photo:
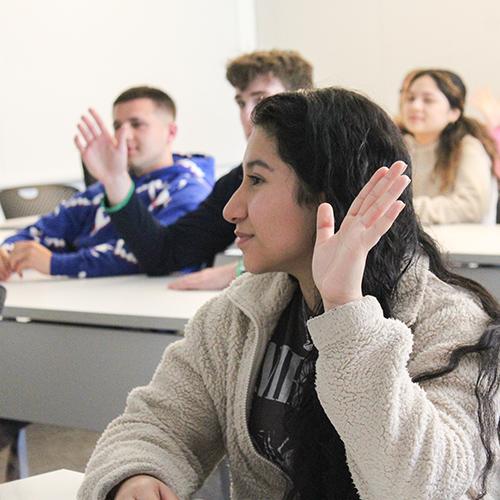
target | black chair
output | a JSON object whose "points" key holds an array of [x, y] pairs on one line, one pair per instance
{"points": [[22, 201]]}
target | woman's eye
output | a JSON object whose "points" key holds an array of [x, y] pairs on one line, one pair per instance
{"points": [[254, 180]]}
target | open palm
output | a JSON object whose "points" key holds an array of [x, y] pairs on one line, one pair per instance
{"points": [[104, 155], [339, 258]]}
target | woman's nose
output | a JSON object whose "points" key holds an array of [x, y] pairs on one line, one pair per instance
{"points": [[235, 210]]}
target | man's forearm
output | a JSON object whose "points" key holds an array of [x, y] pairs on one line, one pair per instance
{"points": [[117, 188]]}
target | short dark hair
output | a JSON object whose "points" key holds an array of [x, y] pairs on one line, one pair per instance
{"points": [[160, 98], [287, 65]]}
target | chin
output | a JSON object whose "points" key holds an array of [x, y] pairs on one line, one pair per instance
{"points": [[256, 268]]}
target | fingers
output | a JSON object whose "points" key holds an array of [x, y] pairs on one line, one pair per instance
{"points": [[91, 127], [385, 199], [383, 224], [30, 255], [212, 278], [85, 133], [79, 145], [166, 493], [121, 137], [188, 282], [379, 183], [325, 223], [364, 194], [90, 130], [100, 123], [5, 268], [19, 257]]}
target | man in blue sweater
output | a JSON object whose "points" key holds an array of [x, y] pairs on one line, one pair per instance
{"points": [[78, 239], [198, 236]]}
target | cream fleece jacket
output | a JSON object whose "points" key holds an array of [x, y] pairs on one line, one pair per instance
{"points": [[403, 440], [473, 196]]}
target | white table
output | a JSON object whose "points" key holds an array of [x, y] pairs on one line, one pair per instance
{"points": [[5, 233], [474, 251], [135, 301], [57, 485], [18, 222], [469, 243], [85, 345]]}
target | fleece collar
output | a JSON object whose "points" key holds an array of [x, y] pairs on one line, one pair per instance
{"points": [[263, 297]]}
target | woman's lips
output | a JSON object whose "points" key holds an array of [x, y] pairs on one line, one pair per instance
{"points": [[242, 238]]}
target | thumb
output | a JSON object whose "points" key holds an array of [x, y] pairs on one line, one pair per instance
{"points": [[325, 223], [121, 137]]}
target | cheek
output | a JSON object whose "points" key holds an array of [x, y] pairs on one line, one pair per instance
{"points": [[300, 228]]}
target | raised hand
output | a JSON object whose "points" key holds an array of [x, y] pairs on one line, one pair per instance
{"points": [[144, 487], [104, 155], [339, 258]]}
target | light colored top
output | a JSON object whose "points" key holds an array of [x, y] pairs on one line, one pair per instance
{"points": [[473, 196], [403, 440], [57, 485]]}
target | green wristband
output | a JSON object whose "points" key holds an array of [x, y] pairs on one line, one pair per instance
{"points": [[240, 268], [115, 208]]}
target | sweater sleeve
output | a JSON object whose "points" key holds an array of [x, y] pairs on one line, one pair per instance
{"points": [[170, 429], [106, 259], [113, 257], [55, 230], [193, 240], [470, 198], [402, 439]]}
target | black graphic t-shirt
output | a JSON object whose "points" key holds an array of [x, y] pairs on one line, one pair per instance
{"points": [[286, 365], [282, 391]]}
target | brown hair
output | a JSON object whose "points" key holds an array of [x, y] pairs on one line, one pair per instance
{"points": [[287, 65], [160, 98], [450, 139]]}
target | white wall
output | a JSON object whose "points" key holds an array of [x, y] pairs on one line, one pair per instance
{"points": [[369, 45], [58, 57]]}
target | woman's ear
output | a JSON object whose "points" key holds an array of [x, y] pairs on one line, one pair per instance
{"points": [[454, 114]]}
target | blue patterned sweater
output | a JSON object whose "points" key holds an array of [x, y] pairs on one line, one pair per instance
{"points": [[84, 242]]}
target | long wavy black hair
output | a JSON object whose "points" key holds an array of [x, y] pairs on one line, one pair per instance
{"points": [[334, 140]]}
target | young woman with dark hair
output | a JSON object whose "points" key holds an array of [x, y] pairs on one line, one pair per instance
{"points": [[348, 363], [452, 155]]}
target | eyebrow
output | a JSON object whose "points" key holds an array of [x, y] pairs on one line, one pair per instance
{"points": [[117, 123], [252, 94], [425, 93], [258, 163]]}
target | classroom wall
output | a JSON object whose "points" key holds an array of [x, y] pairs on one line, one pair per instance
{"points": [[369, 45], [60, 56]]}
